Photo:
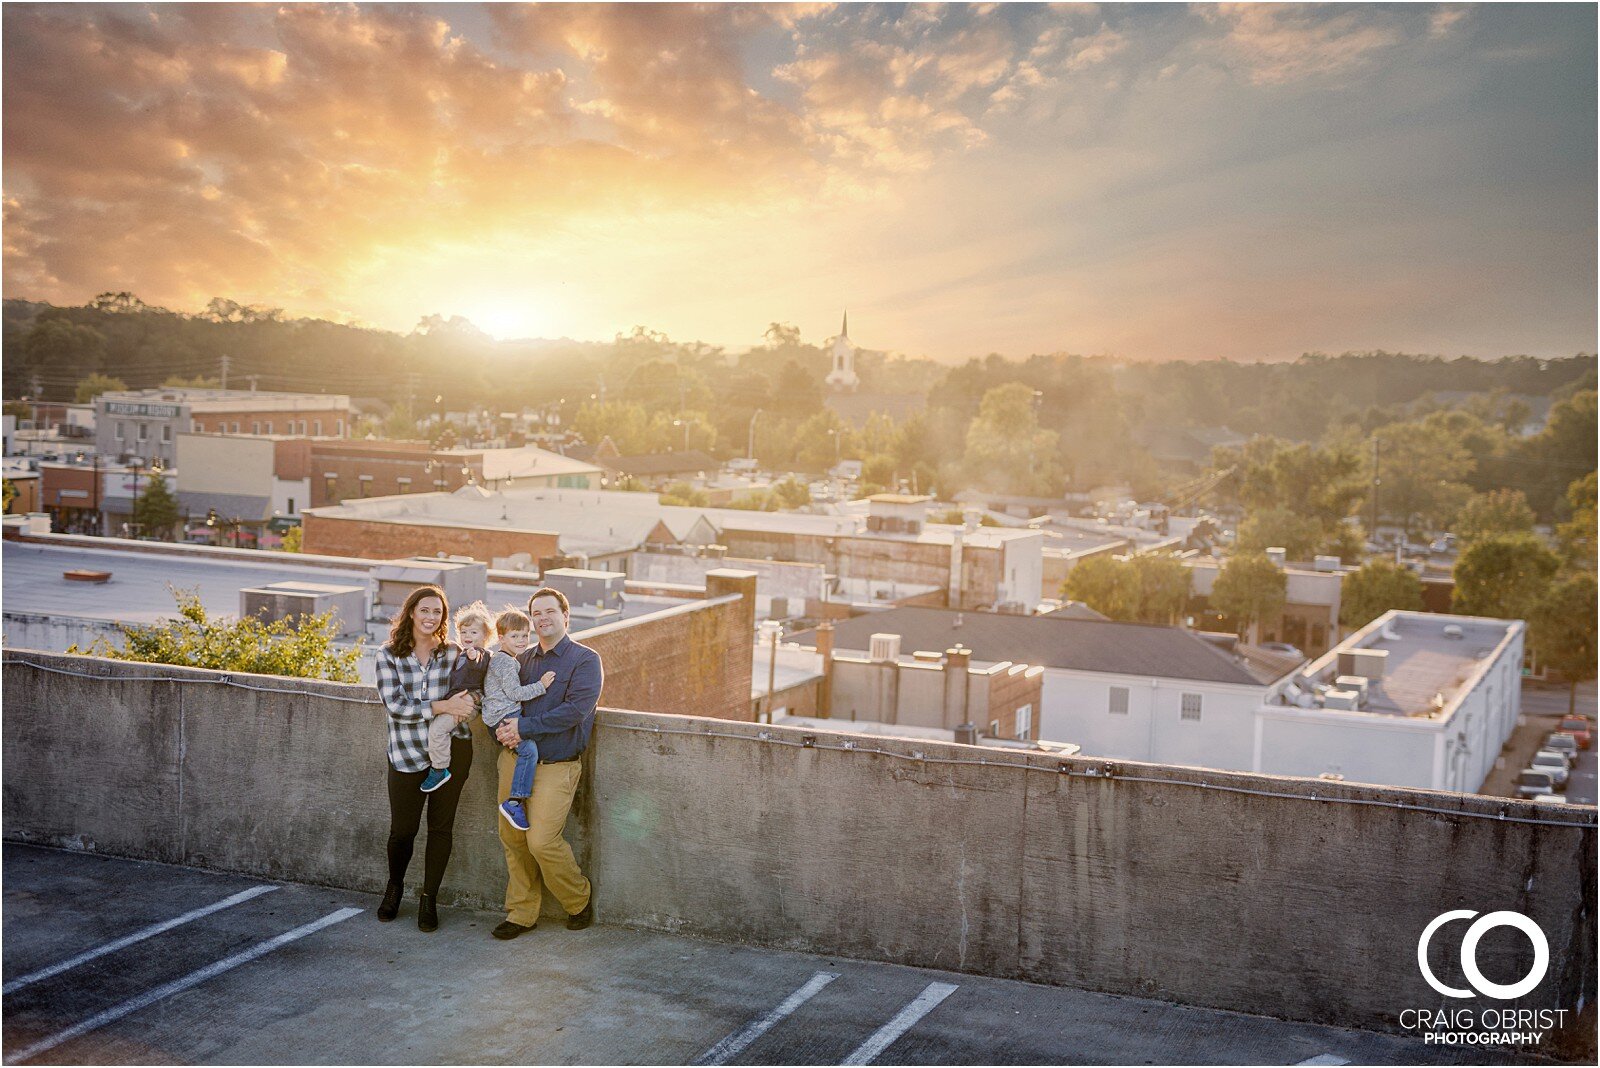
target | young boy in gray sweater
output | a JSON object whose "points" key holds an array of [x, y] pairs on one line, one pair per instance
{"points": [[503, 696]]}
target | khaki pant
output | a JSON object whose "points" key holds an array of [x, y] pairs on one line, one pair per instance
{"points": [[540, 850], [439, 728]]}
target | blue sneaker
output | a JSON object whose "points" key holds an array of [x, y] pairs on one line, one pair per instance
{"points": [[512, 811], [437, 777]]}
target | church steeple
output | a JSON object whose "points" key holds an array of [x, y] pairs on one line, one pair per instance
{"points": [[844, 331], [843, 375]]}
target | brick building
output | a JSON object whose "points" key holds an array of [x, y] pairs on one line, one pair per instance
{"points": [[346, 470], [145, 423]]}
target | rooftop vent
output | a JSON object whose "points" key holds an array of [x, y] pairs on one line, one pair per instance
{"points": [[1453, 631], [885, 647]]}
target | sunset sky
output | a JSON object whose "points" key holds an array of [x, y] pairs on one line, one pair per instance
{"points": [[1147, 181]]}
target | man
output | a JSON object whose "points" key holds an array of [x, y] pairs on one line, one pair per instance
{"points": [[559, 722]]}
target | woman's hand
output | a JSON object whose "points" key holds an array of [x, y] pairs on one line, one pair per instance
{"points": [[461, 706]]}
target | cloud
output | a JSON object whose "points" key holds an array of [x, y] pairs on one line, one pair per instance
{"points": [[1272, 44]]}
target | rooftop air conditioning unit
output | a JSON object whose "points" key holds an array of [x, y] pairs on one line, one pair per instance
{"points": [[1368, 663], [1326, 563], [295, 601], [1344, 700], [591, 594], [885, 647], [1277, 555], [1358, 683]]}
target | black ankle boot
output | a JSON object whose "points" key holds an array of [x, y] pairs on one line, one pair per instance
{"points": [[427, 913], [389, 907]]}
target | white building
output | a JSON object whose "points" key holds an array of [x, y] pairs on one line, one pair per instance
{"points": [[842, 375], [1411, 699], [1128, 690]]}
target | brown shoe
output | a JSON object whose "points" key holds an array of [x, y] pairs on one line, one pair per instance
{"points": [[505, 930], [579, 920]]}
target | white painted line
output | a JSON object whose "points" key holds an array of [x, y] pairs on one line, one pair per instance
{"points": [[731, 1046], [1324, 1058], [166, 990], [903, 1020], [137, 936]]}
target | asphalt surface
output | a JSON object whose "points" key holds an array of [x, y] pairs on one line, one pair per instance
{"points": [[1543, 708], [116, 961]]}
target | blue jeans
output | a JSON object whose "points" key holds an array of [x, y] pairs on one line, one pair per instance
{"points": [[522, 774]]}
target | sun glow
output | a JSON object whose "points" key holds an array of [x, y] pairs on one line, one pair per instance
{"points": [[505, 321]]}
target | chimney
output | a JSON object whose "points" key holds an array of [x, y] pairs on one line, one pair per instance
{"points": [[955, 686], [825, 647]]}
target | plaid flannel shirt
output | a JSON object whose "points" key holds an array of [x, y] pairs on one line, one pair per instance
{"points": [[408, 689]]}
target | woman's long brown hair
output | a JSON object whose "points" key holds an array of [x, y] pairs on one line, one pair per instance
{"points": [[401, 640]]}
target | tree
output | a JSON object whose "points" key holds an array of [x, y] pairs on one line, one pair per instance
{"points": [[294, 540], [302, 648], [65, 345], [1577, 535], [156, 510], [1562, 631], [197, 382], [1503, 576], [792, 493], [10, 495], [1007, 452], [1096, 581], [1298, 535], [1376, 587], [1250, 589], [90, 388], [1501, 511], [1148, 588], [1423, 468], [681, 493]]}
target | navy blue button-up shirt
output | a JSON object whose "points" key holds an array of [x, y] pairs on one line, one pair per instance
{"points": [[560, 720]]}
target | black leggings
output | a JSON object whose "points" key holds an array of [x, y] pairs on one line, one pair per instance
{"points": [[406, 801]]}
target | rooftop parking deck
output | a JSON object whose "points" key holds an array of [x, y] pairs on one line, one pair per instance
{"points": [[355, 991]]}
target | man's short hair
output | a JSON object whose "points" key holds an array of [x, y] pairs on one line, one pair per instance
{"points": [[511, 620], [551, 591]]}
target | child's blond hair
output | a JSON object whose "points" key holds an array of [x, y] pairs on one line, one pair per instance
{"points": [[476, 612], [512, 619]]}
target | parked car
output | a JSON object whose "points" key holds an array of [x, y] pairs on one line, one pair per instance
{"points": [[1550, 799], [1284, 648], [1563, 743], [1580, 729], [1553, 762], [1535, 784]]}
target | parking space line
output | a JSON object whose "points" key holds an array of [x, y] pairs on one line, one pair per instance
{"points": [[731, 1046], [137, 936], [1327, 1059], [166, 990], [885, 1036]]}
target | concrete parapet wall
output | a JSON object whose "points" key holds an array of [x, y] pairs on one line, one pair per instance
{"points": [[1293, 898]]}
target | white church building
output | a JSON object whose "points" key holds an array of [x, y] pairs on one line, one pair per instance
{"points": [[843, 376]]}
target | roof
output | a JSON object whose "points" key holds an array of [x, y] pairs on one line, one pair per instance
{"points": [[229, 506], [1075, 610], [662, 463], [1050, 641], [1424, 662]]}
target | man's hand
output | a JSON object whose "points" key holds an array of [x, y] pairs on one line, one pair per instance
{"points": [[506, 733]]}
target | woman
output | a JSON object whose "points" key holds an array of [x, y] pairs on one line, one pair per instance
{"points": [[413, 677]]}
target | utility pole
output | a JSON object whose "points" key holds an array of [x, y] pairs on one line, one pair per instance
{"points": [[225, 360], [750, 453], [1377, 447]]}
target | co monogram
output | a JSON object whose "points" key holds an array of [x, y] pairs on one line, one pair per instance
{"points": [[1469, 954]]}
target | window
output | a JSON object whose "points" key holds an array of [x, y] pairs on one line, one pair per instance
{"points": [[196, 426], [330, 486], [144, 431], [366, 484], [166, 434], [1025, 721], [440, 484], [291, 506], [1191, 706], [1118, 705], [318, 425], [994, 728], [404, 482], [235, 428], [255, 426], [269, 426], [338, 427], [122, 431]]}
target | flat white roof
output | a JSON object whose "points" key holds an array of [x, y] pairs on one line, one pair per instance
{"points": [[1423, 660]]}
